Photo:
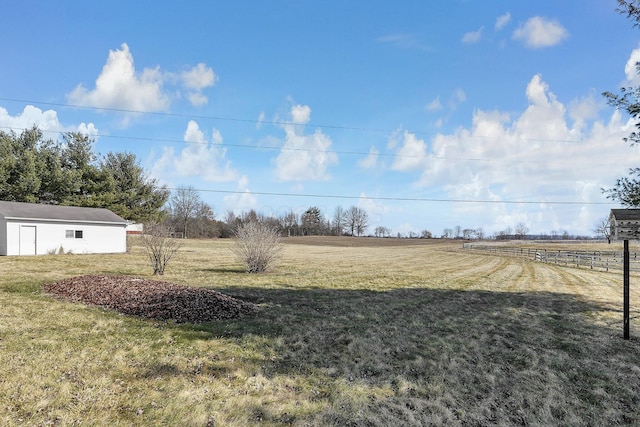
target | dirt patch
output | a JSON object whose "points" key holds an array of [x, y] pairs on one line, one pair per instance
{"points": [[152, 299]]}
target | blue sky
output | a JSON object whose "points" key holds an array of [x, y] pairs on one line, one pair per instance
{"points": [[429, 115]]}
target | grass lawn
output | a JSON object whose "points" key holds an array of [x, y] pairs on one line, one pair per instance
{"points": [[362, 332]]}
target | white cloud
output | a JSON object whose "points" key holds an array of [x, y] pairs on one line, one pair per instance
{"points": [[371, 161], [194, 134], [404, 41], [631, 67], [544, 118], [548, 153], [374, 208], [304, 157], [473, 36], [539, 32], [584, 110], [47, 121], [242, 201], [458, 97], [197, 99], [502, 21], [200, 158], [120, 86], [376, 211], [412, 154], [434, 105], [195, 80], [301, 114], [88, 129], [260, 121], [199, 77]]}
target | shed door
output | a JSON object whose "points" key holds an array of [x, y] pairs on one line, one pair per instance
{"points": [[27, 240]]}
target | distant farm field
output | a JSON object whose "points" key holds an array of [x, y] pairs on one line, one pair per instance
{"points": [[348, 331]]}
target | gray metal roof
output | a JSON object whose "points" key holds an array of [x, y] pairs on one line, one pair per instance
{"points": [[19, 210], [625, 214]]}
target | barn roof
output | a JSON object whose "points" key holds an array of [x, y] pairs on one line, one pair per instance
{"points": [[625, 214], [19, 210]]}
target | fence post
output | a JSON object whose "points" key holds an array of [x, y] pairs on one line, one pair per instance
{"points": [[625, 285]]}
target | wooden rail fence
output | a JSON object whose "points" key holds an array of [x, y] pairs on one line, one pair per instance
{"points": [[602, 260]]}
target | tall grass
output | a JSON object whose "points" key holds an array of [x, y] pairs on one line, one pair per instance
{"points": [[345, 335]]}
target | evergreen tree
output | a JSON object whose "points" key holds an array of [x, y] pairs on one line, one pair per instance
{"points": [[69, 173]]}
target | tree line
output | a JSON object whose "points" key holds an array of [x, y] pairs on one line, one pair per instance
{"points": [[190, 217]]}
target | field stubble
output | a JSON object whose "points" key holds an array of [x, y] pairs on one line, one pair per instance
{"points": [[347, 333]]}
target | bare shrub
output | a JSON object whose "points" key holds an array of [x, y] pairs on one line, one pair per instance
{"points": [[257, 245], [159, 245]]}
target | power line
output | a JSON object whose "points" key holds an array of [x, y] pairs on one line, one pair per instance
{"points": [[254, 121], [284, 148], [399, 199], [334, 196], [195, 116]]}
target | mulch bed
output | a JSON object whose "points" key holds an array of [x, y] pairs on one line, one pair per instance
{"points": [[151, 299]]}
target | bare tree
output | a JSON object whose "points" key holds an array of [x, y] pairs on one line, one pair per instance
{"points": [[603, 228], [289, 222], [160, 247], [521, 230], [258, 246], [357, 220], [382, 231], [339, 220], [203, 224], [505, 234], [251, 216], [184, 204]]}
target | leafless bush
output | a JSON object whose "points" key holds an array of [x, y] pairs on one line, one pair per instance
{"points": [[159, 245], [257, 245]]}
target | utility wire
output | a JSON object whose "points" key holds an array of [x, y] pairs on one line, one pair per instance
{"points": [[254, 121], [399, 199], [195, 116], [333, 196], [285, 148]]}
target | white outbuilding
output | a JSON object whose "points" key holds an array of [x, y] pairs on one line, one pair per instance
{"points": [[36, 229]]}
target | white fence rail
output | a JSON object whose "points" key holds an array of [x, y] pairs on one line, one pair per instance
{"points": [[601, 260]]}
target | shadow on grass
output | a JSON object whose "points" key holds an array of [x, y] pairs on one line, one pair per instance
{"points": [[443, 356]]}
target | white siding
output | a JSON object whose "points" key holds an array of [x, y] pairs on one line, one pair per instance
{"points": [[52, 237]]}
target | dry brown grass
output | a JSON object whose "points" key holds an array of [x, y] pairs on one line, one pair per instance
{"points": [[350, 333]]}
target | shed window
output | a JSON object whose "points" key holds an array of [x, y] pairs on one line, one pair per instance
{"points": [[69, 234], [78, 234], [73, 234]]}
